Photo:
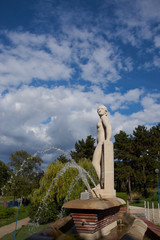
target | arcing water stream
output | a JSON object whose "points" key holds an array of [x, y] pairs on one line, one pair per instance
{"points": [[82, 174], [34, 155]]}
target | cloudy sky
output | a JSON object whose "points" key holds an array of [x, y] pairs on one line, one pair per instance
{"points": [[60, 59]]}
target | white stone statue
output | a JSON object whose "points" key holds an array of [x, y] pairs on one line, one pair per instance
{"points": [[103, 161]]}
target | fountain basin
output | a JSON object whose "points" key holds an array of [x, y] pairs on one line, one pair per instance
{"points": [[94, 218], [129, 227]]}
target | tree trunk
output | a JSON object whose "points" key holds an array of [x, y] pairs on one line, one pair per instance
{"points": [[21, 200], [144, 183], [129, 188]]}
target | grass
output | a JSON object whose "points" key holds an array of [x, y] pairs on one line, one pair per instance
{"points": [[122, 195], [137, 203], [23, 213], [138, 200], [24, 232]]}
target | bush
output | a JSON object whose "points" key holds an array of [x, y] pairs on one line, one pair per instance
{"points": [[153, 197], [22, 209], [122, 195], [7, 212], [47, 214]]}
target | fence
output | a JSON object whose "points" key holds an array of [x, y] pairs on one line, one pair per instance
{"points": [[9, 203], [5, 203], [146, 209]]}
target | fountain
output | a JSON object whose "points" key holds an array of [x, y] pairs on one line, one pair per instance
{"points": [[96, 214]]}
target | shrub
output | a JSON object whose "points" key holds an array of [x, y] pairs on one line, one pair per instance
{"points": [[47, 214], [22, 209], [153, 197], [122, 195], [7, 212]]}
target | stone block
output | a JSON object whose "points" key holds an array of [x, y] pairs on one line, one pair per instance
{"points": [[85, 196]]}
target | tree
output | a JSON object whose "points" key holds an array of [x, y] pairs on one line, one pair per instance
{"points": [[136, 158], [123, 154], [144, 161], [62, 158], [84, 149], [4, 175], [155, 147], [26, 172]]}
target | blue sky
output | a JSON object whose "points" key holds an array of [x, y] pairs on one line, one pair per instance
{"points": [[59, 60]]}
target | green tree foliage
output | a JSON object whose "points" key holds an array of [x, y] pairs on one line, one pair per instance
{"points": [[26, 174], [62, 158], [6, 212], [66, 187], [155, 140], [84, 149], [136, 158], [123, 165], [143, 163], [23, 160], [4, 175]]}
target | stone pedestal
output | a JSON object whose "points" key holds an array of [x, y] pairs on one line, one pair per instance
{"points": [[107, 173], [109, 169], [94, 218]]}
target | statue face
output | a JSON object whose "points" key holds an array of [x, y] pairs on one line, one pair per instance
{"points": [[102, 111]]}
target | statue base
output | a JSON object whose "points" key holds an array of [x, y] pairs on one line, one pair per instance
{"points": [[103, 194]]}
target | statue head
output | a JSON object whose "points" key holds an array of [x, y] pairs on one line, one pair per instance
{"points": [[102, 110]]}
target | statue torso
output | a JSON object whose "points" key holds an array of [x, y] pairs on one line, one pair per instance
{"points": [[100, 132]]}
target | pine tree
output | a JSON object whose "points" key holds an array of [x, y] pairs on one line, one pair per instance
{"points": [[84, 149]]}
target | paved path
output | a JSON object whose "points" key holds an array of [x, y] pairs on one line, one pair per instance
{"points": [[11, 227], [151, 214]]}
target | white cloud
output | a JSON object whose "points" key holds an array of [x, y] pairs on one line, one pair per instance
{"points": [[129, 22], [118, 100], [148, 116], [60, 50], [133, 95], [156, 61], [149, 10], [30, 56], [151, 109], [157, 41], [104, 64], [135, 21], [72, 114]]}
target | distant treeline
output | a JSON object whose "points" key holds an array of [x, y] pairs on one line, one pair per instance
{"points": [[136, 158]]}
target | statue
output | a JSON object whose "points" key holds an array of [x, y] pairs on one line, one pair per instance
{"points": [[103, 161]]}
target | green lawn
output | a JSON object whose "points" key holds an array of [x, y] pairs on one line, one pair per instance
{"points": [[24, 232], [23, 213], [140, 203], [122, 195], [138, 199]]}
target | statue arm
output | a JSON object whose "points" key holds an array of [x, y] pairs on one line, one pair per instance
{"points": [[108, 128]]}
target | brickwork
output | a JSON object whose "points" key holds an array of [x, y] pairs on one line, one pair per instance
{"points": [[95, 220]]}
